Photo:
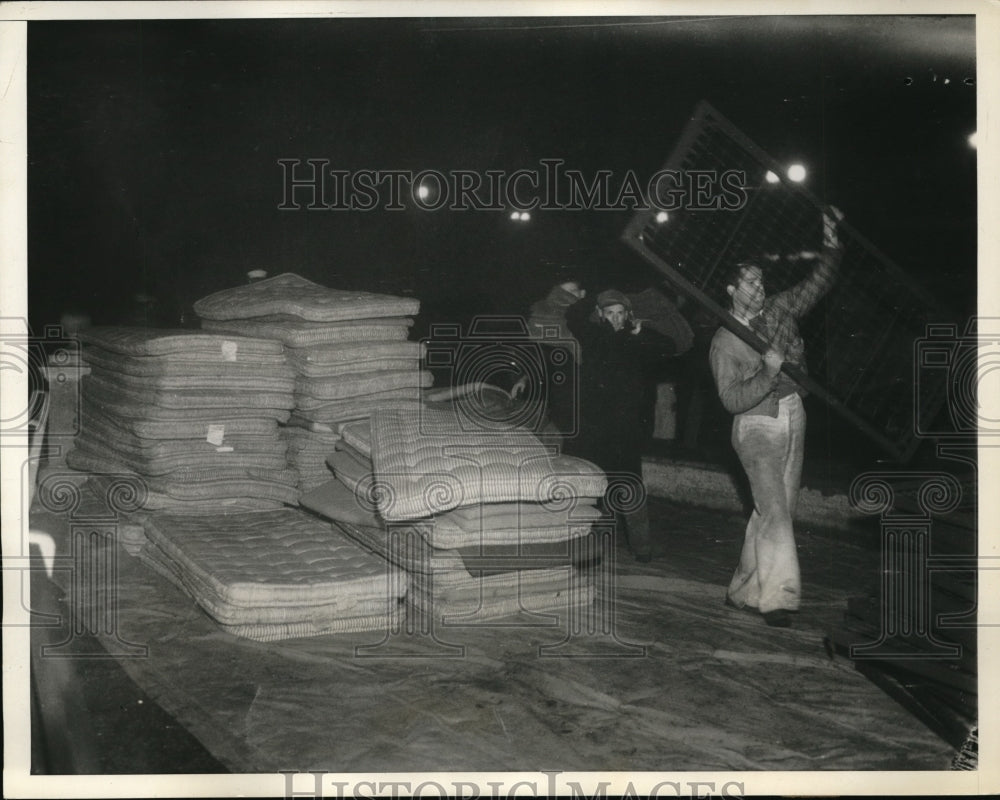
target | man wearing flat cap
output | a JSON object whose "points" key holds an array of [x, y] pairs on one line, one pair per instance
{"points": [[612, 400]]}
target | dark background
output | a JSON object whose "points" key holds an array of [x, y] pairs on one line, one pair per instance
{"points": [[154, 146]]}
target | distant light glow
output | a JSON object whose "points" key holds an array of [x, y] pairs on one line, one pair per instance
{"points": [[525, 216], [515, 215], [770, 177], [662, 217], [423, 192], [796, 173], [974, 140]]}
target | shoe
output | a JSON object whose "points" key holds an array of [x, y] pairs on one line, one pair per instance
{"points": [[779, 618]]}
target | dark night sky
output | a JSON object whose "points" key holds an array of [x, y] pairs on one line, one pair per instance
{"points": [[154, 146]]}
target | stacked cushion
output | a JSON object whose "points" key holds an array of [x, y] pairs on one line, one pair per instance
{"points": [[192, 416], [348, 350], [486, 523]]}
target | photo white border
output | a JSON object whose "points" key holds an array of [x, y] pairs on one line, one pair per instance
{"points": [[13, 388]]}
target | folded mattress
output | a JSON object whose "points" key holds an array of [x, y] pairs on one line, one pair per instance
{"points": [[354, 353], [246, 384], [430, 465], [215, 426], [357, 384], [173, 366], [275, 574], [289, 293], [205, 458], [455, 596], [182, 344], [113, 392], [409, 545], [295, 332], [333, 412]]}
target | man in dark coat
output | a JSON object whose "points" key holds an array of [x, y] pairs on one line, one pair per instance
{"points": [[612, 400]]}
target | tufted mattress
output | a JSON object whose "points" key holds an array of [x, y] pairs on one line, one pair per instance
{"points": [[448, 531], [289, 293], [275, 574], [427, 464], [411, 548]]}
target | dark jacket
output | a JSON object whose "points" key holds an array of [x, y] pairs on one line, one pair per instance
{"points": [[612, 397]]}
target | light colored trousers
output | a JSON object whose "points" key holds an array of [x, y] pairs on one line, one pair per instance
{"points": [[770, 450]]}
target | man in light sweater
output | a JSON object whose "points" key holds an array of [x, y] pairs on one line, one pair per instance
{"points": [[769, 424]]}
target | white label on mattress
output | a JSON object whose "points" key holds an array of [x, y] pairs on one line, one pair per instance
{"points": [[226, 449], [229, 350], [216, 433]]}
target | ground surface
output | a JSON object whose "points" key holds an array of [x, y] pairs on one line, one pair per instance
{"points": [[679, 682]]}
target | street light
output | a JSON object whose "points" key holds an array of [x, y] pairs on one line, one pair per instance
{"points": [[796, 173]]}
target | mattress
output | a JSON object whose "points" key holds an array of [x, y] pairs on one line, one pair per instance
{"points": [[352, 471], [448, 532], [510, 527], [354, 353], [275, 574], [215, 426], [295, 332], [207, 494], [175, 366], [333, 412], [112, 392], [193, 475], [249, 383], [108, 428], [358, 435], [127, 409], [411, 549], [375, 366], [336, 360], [457, 598], [289, 293], [206, 457], [317, 391], [430, 465], [307, 452], [187, 345]]}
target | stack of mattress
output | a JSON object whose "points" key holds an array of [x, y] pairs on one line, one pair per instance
{"points": [[349, 351], [194, 417], [272, 575], [486, 523]]}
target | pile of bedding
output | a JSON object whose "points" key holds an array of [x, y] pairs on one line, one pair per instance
{"points": [[273, 575], [348, 350], [193, 417], [486, 523]]}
